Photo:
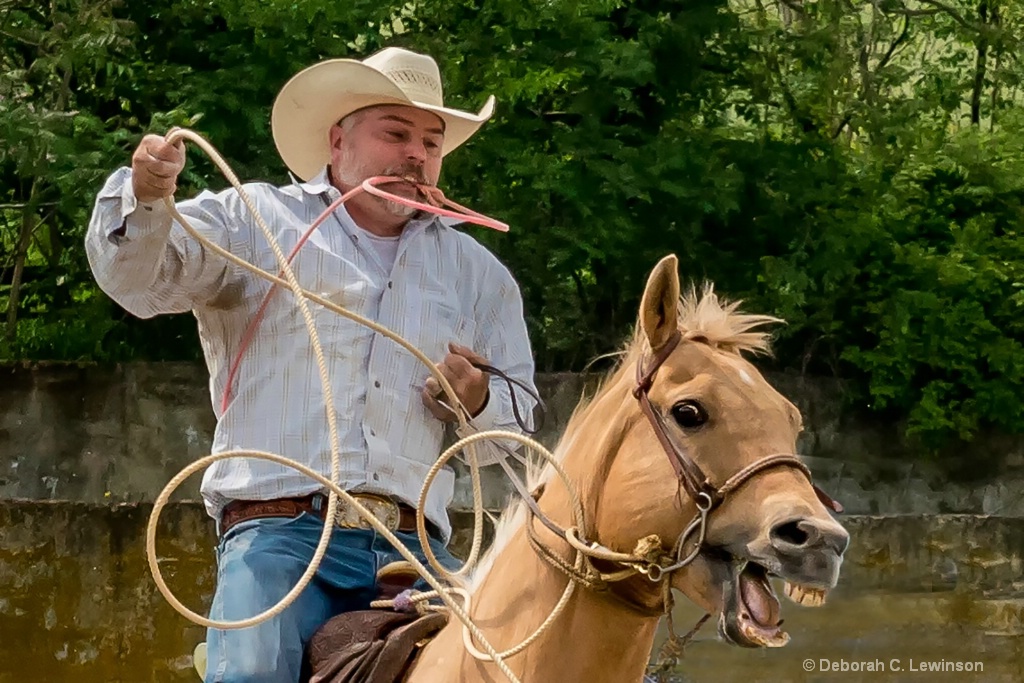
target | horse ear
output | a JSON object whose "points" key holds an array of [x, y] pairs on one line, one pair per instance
{"points": [[659, 308]]}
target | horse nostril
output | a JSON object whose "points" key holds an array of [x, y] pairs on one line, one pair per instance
{"points": [[791, 533], [809, 533]]}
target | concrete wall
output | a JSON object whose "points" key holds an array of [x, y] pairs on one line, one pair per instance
{"points": [[84, 449], [107, 434], [77, 601]]}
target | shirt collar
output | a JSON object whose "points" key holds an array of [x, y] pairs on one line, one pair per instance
{"points": [[319, 184]]}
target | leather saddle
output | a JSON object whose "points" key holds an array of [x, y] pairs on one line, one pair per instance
{"points": [[372, 646]]}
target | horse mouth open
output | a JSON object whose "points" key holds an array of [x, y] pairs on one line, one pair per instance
{"points": [[751, 613]]}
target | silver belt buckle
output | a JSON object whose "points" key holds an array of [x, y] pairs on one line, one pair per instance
{"points": [[384, 509]]}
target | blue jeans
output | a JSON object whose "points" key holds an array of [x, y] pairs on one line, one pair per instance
{"points": [[259, 561]]}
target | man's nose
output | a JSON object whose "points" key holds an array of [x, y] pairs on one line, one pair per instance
{"points": [[416, 151]]}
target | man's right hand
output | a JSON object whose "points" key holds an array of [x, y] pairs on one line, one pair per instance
{"points": [[155, 168]]}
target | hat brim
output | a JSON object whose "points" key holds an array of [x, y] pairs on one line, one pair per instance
{"points": [[321, 95]]}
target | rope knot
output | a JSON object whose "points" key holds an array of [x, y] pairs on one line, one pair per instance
{"points": [[649, 549], [403, 602]]}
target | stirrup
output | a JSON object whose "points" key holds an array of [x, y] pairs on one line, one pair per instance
{"points": [[199, 660]]}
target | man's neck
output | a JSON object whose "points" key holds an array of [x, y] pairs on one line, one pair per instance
{"points": [[375, 223]]}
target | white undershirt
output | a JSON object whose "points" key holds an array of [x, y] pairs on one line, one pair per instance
{"points": [[386, 248]]}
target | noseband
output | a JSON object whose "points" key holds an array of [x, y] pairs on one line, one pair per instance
{"points": [[691, 477]]}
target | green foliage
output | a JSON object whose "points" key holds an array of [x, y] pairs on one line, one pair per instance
{"points": [[855, 168], [913, 284]]}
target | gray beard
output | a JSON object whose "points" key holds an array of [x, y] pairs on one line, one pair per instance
{"points": [[349, 175]]}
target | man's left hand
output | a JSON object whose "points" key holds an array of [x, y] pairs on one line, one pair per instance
{"points": [[470, 384]]}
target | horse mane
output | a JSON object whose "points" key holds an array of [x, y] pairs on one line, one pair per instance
{"points": [[703, 318]]}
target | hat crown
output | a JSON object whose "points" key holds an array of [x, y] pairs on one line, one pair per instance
{"points": [[416, 75]]}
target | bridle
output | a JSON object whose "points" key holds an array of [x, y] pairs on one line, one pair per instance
{"points": [[646, 559], [704, 494], [649, 558], [689, 474]]}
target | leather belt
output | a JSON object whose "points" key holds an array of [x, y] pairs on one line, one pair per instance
{"points": [[396, 516]]}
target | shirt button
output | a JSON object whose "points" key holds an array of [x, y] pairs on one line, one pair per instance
{"points": [[377, 384], [389, 284]]}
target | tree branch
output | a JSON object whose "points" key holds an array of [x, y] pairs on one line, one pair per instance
{"points": [[904, 34], [794, 5], [900, 39], [957, 17], [805, 122], [980, 67], [23, 41], [22, 205], [940, 8]]}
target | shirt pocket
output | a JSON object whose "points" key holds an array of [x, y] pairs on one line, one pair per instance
{"points": [[442, 323]]}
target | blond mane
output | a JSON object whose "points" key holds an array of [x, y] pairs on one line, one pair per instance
{"points": [[702, 318]]}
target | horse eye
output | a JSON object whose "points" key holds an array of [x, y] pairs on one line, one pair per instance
{"points": [[689, 414]]}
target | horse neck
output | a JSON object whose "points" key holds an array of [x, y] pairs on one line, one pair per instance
{"points": [[595, 638]]}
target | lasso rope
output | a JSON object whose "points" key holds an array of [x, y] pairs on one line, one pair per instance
{"points": [[470, 630]]}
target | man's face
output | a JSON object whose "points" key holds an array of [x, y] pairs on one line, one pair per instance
{"points": [[383, 141]]}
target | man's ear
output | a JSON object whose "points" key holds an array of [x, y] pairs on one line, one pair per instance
{"points": [[335, 135]]}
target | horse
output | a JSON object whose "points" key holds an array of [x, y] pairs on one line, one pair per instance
{"points": [[685, 446]]}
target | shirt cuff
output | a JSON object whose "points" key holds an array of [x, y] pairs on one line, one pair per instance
{"points": [[488, 417], [136, 218]]}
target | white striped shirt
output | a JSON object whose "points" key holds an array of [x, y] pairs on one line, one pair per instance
{"points": [[444, 286]]}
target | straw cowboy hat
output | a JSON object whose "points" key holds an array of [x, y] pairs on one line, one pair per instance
{"points": [[321, 95]]}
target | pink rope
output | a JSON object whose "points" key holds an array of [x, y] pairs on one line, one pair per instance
{"points": [[433, 194]]}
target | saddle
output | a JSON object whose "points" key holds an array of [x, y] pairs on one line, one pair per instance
{"points": [[372, 646]]}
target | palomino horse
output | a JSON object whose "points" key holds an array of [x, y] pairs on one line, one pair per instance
{"points": [[717, 436]]}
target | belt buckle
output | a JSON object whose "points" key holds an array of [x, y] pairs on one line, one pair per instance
{"points": [[384, 509]]}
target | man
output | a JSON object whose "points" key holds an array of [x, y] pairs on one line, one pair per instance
{"points": [[335, 124]]}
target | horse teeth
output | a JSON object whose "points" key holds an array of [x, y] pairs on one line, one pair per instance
{"points": [[808, 597]]}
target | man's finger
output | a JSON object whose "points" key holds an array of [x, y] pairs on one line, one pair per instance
{"points": [[457, 367], [151, 193], [165, 152], [158, 183], [467, 353], [435, 390], [162, 169], [436, 408]]}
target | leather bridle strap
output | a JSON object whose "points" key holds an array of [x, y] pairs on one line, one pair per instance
{"points": [[687, 471]]}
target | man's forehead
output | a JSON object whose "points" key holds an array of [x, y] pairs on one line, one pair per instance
{"points": [[409, 116]]}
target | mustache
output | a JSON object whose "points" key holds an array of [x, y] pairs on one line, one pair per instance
{"points": [[412, 173]]}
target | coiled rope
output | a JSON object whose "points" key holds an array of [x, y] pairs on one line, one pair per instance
{"points": [[471, 631]]}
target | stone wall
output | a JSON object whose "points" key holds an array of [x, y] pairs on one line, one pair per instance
{"points": [[78, 603], [85, 449], [109, 434]]}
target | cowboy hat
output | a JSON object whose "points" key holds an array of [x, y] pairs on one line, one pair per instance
{"points": [[323, 94]]}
